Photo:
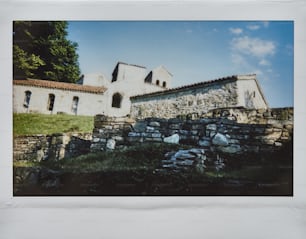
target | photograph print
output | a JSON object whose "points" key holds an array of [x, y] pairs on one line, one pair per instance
{"points": [[153, 108]]}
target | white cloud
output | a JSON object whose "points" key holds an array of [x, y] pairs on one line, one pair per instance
{"points": [[238, 59], [253, 27], [253, 46], [264, 62], [236, 31]]}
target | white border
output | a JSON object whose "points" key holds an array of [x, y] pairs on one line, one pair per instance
{"points": [[237, 217]]}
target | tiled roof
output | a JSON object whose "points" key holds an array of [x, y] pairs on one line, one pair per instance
{"points": [[60, 85], [195, 85]]}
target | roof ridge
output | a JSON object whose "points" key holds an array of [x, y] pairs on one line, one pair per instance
{"points": [[60, 85], [233, 77]]}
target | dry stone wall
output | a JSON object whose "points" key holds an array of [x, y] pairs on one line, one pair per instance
{"points": [[218, 132], [50, 147], [110, 132]]}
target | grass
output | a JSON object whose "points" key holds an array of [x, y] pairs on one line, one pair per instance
{"points": [[29, 124]]}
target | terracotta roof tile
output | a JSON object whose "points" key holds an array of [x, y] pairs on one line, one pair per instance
{"points": [[186, 87], [60, 85]]}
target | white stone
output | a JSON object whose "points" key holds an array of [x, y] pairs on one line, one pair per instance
{"points": [[150, 129], [95, 140], [154, 124], [173, 139], [111, 143], [184, 154], [278, 144], [220, 140]]}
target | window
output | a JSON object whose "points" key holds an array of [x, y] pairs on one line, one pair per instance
{"points": [[75, 102], [116, 102], [157, 82], [51, 102], [148, 78], [27, 98], [164, 84]]}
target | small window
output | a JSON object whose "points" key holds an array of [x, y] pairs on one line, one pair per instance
{"points": [[164, 84], [157, 82], [116, 102], [27, 98], [254, 94], [75, 102], [51, 102]]}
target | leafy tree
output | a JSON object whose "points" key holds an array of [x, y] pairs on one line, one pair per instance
{"points": [[41, 50]]}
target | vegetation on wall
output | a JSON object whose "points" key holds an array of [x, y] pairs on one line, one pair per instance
{"points": [[41, 50], [29, 124]]}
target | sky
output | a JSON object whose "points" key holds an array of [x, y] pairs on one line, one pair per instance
{"points": [[193, 51]]}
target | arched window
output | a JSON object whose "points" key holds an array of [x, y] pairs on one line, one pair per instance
{"points": [[27, 98], [51, 102], [157, 82], [75, 102], [116, 102], [164, 84]]}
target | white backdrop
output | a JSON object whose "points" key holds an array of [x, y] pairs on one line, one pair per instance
{"points": [[152, 217]]}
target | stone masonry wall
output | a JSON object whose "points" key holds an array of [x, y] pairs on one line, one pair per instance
{"points": [[50, 147], [184, 102], [264, 130], [110, 131]]}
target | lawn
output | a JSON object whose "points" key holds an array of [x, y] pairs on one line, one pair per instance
{"points": [[29, 124]]}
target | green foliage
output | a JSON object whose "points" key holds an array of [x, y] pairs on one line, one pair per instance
{"points": [[25, 63], [28, 124], [41, 50]]}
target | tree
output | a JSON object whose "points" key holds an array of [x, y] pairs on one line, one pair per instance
{"points": [[41, 50]]}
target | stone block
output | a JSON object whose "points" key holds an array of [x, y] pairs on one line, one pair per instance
{"points": [[173, 139], [211, 127], [175, 126], [134, 134], [220, 140], [204, 143], [278, 144], [156, 135], [95, 140], [154, 124]]}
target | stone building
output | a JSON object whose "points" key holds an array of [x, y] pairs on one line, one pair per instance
{"points": [[134, 91], [234, 91]]}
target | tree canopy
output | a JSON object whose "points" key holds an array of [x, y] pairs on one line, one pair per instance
{"points": [[41, 50]]}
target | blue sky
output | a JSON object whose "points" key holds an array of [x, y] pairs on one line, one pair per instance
{"points": [[193, 51]]}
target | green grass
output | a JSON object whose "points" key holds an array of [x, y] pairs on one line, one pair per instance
{"points": [[145, 157], [29, 124], [134, 158]]}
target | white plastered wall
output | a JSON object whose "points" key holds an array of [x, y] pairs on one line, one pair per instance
{"points": [[161, 74], [130, 82], [249, 94], [89, 103]]}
